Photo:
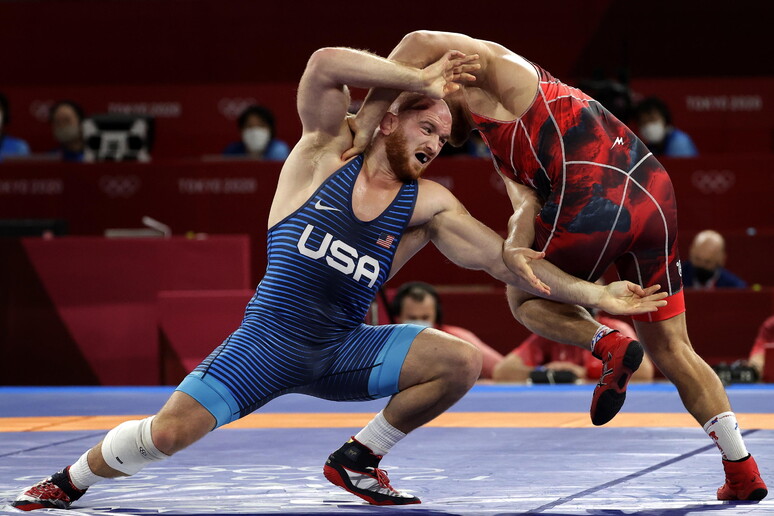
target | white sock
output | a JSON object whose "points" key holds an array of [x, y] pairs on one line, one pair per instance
{"points": [[601, 332], [724, 430], [81, 474], [379, 435]]}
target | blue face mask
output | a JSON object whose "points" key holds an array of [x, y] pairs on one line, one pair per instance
{"points": [[426, 324]]}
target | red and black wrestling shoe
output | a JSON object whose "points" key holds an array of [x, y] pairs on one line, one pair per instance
{"points": [[55, 492], [621, 356], [743, 481], [355, 468]]}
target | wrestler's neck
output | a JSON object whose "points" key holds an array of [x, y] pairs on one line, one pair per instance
{"points": [[377, 171]]}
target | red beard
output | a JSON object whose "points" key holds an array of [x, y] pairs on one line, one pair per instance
{"points": [[398, 157]]}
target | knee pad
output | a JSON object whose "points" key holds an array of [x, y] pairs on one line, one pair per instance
{"points": [[129, 447]]}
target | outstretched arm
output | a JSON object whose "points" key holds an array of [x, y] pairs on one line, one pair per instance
{"points": [[470, 244]]}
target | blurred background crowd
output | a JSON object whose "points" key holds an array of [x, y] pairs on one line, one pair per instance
{"points": [[183, 111]]}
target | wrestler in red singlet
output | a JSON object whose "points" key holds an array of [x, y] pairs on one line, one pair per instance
{"points": [[607, 199]]}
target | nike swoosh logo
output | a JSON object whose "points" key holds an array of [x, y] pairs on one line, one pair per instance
{"points": [[319, 206]]}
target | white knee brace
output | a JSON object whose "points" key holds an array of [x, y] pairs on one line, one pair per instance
{"points": [[128, 447]]}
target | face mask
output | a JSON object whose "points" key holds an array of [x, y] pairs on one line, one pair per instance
{"points": [[653, 132], [256, 139], [66, 133], [703, 275], [426, 324]]}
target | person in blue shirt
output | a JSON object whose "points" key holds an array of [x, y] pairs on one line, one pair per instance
{"points": [[658, 133], [258, 130], [66, 119], [705, 268], [9, 146]]}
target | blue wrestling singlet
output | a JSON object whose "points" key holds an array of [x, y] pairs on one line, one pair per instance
{"points": [[303, 329]]}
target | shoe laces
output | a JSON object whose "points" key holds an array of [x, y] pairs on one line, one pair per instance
{"points": [[382, 479], [47, 490]]}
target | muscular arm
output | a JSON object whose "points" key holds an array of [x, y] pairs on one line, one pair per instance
{"points": [[322, 97], [517, 254], [470, 244], [526, 206]]}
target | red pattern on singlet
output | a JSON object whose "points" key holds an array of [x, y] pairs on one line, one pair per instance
{"points": [[607, 198]]}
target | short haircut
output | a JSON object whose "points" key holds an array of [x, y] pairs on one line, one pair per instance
{"points": [[261, 112], [5, 109], [651, 104], [78, 109], [418, 291], [410, 101]]}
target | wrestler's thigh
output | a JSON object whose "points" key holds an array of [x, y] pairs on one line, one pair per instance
{"points": [[434, 354]]}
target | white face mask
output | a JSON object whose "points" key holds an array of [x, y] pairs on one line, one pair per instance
{"points": [[653, 132], [426, 324], [67, 133], [256, 138]]}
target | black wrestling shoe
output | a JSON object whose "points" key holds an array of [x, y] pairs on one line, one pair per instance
{"points": [[355, 468]]}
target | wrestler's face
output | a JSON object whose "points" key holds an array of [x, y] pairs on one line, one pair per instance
{"points": [[418, 139]]}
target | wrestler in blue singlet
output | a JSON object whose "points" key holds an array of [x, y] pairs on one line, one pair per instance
{"points": [[303, 329]]}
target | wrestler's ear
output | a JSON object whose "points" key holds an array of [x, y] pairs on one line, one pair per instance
{"points": [[389, 123]]}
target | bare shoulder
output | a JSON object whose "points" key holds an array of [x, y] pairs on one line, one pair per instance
{"points": [[312, 160], [506, 87]]}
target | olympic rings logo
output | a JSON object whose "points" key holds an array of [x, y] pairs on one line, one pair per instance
{"points": [[232, 108], [713, 181], [119, 186]]}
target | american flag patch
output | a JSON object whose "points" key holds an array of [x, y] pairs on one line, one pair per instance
{"points": [[385, 240]]}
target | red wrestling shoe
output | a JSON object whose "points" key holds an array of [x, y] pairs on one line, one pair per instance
{"points": [[354, 468], [743, 481], [55, 492], [621, 356]]}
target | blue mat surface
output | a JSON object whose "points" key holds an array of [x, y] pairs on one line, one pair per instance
{"points": [[455, 471], [88, 401]]}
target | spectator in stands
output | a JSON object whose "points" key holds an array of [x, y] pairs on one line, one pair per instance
{"points": [[9, 146], [66, 119], [256, 124], [705, 268], [537, 352], [656, 130], [757, 358], [418, 303]]}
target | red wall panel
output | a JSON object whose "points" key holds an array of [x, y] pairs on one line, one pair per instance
{"points": [[102, 296]]}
